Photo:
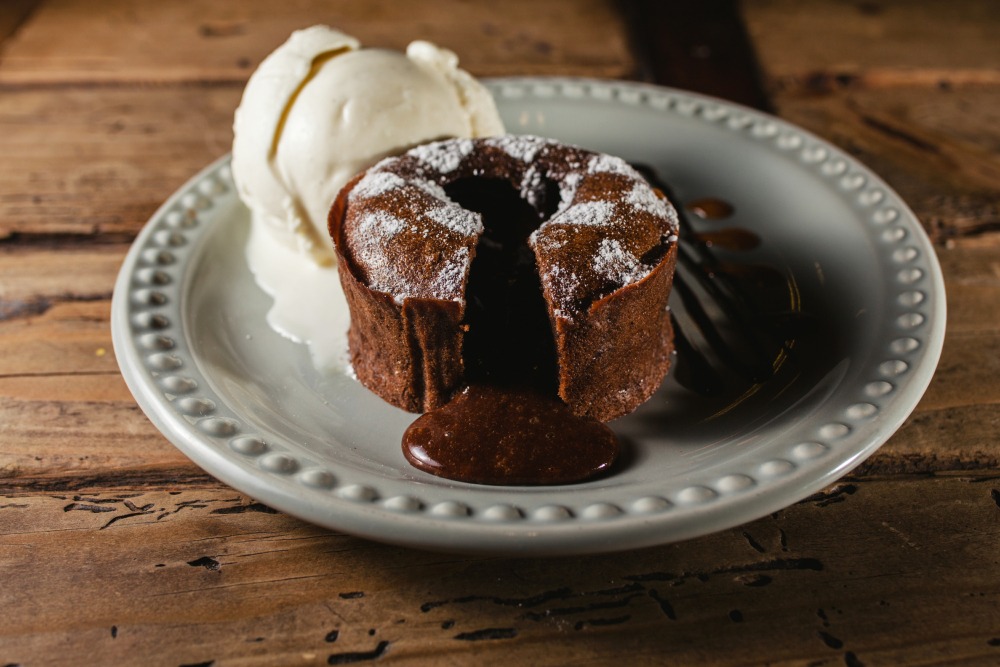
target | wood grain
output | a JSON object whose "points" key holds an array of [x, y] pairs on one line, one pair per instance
{"points": [[209, 575], [224, 42], [115, 547], [877, 43], [96, 163]]}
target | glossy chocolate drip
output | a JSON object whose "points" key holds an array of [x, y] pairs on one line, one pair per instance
{"points": [[730, 238], [494, 434], [710, 208], [508, 427]]}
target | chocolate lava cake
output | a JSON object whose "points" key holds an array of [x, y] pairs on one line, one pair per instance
{"points": [[507, 260]]}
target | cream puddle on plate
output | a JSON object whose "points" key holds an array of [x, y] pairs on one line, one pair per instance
{"points": [[309, 305]]}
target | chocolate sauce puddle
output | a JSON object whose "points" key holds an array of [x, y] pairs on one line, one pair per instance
{"points": [[731, 238], [709, 208], [494, 434], [508, 427]]}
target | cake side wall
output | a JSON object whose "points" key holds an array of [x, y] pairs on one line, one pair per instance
{"points": [[435, 337], [379, 344], [615, 359]]}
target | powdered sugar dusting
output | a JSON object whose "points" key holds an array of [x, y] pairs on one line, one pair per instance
{"points": [[562, 284], [567, 189], [610, 164], [520, 147], [380, 224], [378, 181], [591, 213], [443, 156], [375, 183], [457, 219], [642, 197], [447, 283], [442, 268], [450, 279], [433, 189], [533, 187], [617, 264], [588, 213]]}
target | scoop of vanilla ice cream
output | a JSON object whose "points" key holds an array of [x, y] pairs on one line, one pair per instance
{"points": [[320, 109]]}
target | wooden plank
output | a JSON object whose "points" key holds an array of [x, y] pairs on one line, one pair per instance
{"points": [[937, 146], [131, 148], [881, 43], [32, 279], [67, 338], [66, 42], [889, 572], [65, 411], [96, 163], [67, 430]]}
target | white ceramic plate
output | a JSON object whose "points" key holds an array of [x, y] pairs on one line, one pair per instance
{"points": [[247, 405]]}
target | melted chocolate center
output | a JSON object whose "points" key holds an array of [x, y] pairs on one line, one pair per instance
{"points": [[509, 339], [508, 427]]}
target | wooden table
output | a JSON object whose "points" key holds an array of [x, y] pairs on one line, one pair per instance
{"points": [[115, 549]]}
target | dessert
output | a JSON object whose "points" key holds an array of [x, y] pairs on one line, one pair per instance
{"points": [[318, 110], [507, 260]]}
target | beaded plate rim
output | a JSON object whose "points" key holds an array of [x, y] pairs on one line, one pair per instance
{"points": [[160, 369]]}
